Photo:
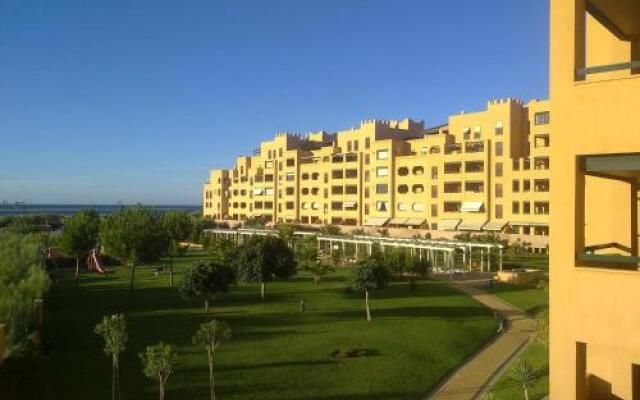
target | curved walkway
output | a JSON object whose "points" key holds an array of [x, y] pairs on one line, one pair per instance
{"points": [[473, 378]]}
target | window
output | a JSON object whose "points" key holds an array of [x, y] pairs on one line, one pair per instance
{"points": [[541, 207], [403, 171], [541, 185], [289, 191], [367, 159], [418, 188], [305, 191], [351, 173], [434, 172], [305, 177], [453, 187], [291, 177], [474, 166], [498, 149], [366, 193], [498, 190], [290, 205], [515, 187], [367, 143], [541, 118], [466, 133], [355, 145], [526, 185], [452, 206], [499, 128], [477, 132], [607, 203], [418, 170], [515, 207], [474, 187], [382, 154], [336, 205], [337, 174], [499, 213], [279, 152], [336, 190], [351, 189], [382, 171], [403, 189], [291, 162], [526, 207], [382, 188], [366, 176], [541, 140], [434, 191], [403, 207], [382, 206], [349, 145], [498, 169], [417, 207], [434, 210]]}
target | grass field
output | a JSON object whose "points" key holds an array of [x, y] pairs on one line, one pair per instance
{"points": [[416, 337], [531, 299]]}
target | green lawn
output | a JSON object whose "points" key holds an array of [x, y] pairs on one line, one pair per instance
{"points": [[538, 356], [529, 298], [276, 353]]}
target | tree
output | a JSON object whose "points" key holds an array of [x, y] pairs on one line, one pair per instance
{"points": [[416, 267], [133, 234], [307, 257], [223, 250], [178, 226], [212, 335], [396, 261], [336, 257], [157, 363], [370, 274], [22, 281], [204, 281], [263, 258], [79, 236], [113, 330], [523, 376]]}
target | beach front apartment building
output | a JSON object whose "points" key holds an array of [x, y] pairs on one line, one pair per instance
{"points": [[482, 171], [594, 252]]}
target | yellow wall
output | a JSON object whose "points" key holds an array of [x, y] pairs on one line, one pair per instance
{"points": [[592, 304]]}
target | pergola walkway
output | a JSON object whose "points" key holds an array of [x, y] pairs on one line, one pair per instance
{"points": [[442, 253], [472, 379]]}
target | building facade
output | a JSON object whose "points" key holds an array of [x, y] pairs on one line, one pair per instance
{"points": [[482, 171], [595, 278]]}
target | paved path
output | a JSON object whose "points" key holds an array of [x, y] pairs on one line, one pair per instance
{"points": [[472, 379]]}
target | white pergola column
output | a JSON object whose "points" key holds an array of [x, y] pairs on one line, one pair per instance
{"points": [[500, 259], [482, 260]]}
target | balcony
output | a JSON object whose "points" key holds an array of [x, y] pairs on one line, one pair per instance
{"points": [[452, 168], [453, 148], [474, 147]]}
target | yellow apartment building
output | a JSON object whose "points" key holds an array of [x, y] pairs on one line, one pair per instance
{"points": [[482, 171], [595, 275]]}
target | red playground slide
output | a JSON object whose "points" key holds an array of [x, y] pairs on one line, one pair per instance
{"points": [[93, 263]]}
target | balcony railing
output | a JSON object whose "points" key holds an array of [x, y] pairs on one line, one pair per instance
{"points": [[453, 148], [583, 72], [474, 147]]}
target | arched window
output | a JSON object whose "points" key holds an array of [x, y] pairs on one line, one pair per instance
{"points": [[417, 188], [402, 189], [403, 171], [418, 170], [305, 176]]}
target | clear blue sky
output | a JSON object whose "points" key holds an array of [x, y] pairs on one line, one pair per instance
{"points": [[134, 101]]}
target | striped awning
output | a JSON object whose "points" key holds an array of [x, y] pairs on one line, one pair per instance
{"points": [[472, 206], [376, 221], [471, 225], [415, 221], [448, 224], [397, 221], [494, 225], [521, 223]]}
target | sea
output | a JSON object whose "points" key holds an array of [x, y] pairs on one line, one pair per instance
{"points": [[69, 209]]}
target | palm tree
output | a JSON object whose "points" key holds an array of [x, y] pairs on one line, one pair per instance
{"points": [[524, 376], [212, 334]]}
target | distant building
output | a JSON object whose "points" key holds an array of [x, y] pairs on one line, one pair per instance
{"points": [[483, 171]]}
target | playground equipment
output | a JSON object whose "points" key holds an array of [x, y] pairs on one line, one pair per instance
{"points": [[93, 262]]}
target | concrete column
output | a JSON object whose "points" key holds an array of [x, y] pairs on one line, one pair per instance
{"points": [[482, 260]]}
